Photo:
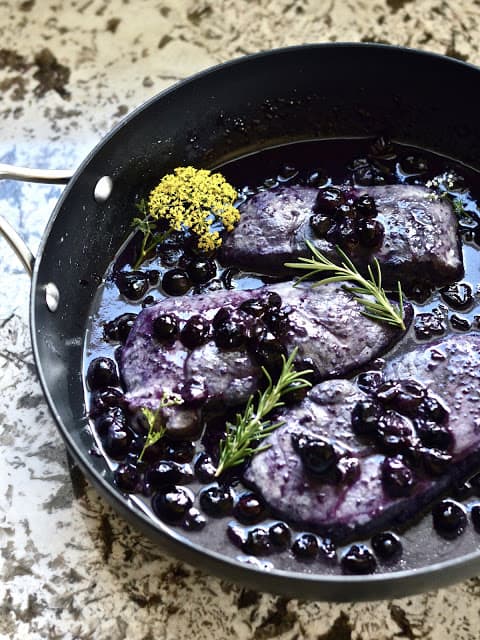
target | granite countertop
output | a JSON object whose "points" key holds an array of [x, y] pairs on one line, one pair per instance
{"points": [[69, 566]]}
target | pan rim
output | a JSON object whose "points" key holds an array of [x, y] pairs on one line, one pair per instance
{"points": [[310, 586]]}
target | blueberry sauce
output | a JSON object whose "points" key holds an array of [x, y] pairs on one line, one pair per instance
{"points": [[174, 480]]}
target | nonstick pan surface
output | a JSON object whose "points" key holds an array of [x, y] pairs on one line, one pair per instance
{"points": [[299, 93]]}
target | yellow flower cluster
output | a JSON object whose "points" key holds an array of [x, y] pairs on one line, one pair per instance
{"points": [[194, 199]]}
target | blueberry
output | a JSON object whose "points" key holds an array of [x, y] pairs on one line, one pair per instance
{"points": [[321, 224], [165, 327], [434, 435], [365, 206], [113, 416], [195, 332], [273, 300], [370, 233], [201, 270], [132, 284], [431, 409], [217, 501], [171, 504], [102, 373], [178, 450], [237, 535], [148, 301], [435, 462], [458, 296], [270, 353], [327, 550], [257, 542], [395, 433], [116, 441], [428, 325], [176, 282], [305, 547], [397, 478], [229, 334], [347, 470], [460, 323], [317, 455], [277, 320], [387, 546], [317, 179], [358, 560], [204, 468], [249, 508], [118, 330], [369, 381], [280, 535], [254, 307], [366, 417], [162, 474], [127, 478], [475, 516], [404, 396], [194, 521], [105, 399], [287, 172], [449, 519], [328, 200]]}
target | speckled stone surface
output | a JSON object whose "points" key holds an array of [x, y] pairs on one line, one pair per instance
{"points": [[69, 567]]}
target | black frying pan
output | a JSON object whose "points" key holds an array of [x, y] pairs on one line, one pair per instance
{"points": [[312, 91]]}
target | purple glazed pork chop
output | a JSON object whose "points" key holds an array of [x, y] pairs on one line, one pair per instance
{"points": [[220, 340], [354, 458], [420, 233]]}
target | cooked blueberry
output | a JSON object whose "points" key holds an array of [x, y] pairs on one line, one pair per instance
{"points": [[165, 327], [327, 550], [347, 470], [132, 284], [249, 508], [204, 468], [148, 301], [428, 325], [194, 521], [287, 172], [305, 547], [449, 519], [195, 332], [344, 233], [458, 296], [369, 381], [237, 535], [397, 478], [395, 433], [116, 441], [270, 353], [460, 323], [328, 199], [317, 455], [153, 276], [113, 416], [178, 450], [171, 504], [257, 542], [202, 270], [127, 478], [162, 474], [277, 320], [105, 399], [117, 330], [366, 417], [227, 277], [365, 206], [176, 282], [102, 373], [280, 535], [370, 233], [254, 307], [387, 546], [217, 501], [475, 515], [435, 462], [405, 396], [229, 334], [273, 300], [435, 435], [317, 179], [432, 409], [358, 560], [321, 224]]}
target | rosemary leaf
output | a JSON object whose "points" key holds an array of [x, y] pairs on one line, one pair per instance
{"points": [[252, 426], [380, 308], [156, 430]]}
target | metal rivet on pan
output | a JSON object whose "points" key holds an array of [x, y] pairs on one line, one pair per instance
{"points": [[52, 296], [103, 189]]}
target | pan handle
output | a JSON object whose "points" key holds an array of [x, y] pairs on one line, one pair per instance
{"points": [[47, 176]]}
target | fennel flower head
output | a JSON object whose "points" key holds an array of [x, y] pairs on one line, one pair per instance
{"points": [[195, 199]]}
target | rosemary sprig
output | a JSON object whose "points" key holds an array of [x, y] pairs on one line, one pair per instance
{"points": [[156, 431], [380, 308], [251, 426]]}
